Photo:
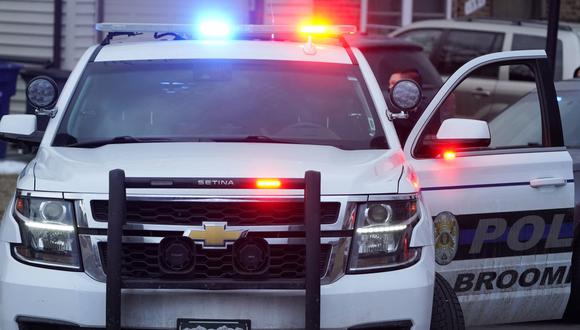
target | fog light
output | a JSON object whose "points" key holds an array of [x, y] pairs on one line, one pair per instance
{"points": [[176, 255], [251, 256]]}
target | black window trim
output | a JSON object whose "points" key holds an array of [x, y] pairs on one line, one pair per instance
{"points": [[551, 121]]}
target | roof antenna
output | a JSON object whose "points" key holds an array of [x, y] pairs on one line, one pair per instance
{"points": [[309, 48], [272, 19]]}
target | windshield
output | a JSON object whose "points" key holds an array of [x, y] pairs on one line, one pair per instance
{"points": [[526, 129], [221, 101]]}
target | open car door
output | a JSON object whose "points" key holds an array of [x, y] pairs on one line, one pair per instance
{"points": [[500, 187]]}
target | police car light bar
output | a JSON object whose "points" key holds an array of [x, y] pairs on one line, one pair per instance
{"points": [[217, 29]]}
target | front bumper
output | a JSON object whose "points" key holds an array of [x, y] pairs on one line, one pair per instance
{"points": [[354, 300]]}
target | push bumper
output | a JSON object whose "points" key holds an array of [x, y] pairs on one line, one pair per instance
{"points": [[392, 298]]}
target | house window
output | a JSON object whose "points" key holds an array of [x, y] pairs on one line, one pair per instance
{"points": [[387, 15], [519, 9], [433, 9], [384, 15]]}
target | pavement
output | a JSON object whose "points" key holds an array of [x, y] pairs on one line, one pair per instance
{"points": [[14, 154], [544, 325]]}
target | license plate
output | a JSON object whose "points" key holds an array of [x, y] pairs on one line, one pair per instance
{"points": [[196, 324]]}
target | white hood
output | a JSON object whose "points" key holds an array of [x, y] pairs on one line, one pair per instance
{"points": [[84, 170]]}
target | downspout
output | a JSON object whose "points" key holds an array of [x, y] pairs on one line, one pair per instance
{"points": [[406, 12], [448, 9], [100, 17], [552, 37], [364, 14], [57, 35]]}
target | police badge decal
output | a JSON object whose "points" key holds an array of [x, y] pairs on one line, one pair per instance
{"points": [[446, 231]]}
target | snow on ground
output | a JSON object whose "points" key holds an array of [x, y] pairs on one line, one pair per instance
{"points": [[11, 167]]}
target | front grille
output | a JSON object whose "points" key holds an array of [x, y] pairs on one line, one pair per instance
{"points": [[140, 261], [234, 213]]}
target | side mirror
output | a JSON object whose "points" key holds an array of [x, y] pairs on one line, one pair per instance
{"points": [[20, 129], [405, 96], [463, 133], [42, 94]]}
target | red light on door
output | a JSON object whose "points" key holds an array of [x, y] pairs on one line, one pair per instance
{"points": [[449, 155]]}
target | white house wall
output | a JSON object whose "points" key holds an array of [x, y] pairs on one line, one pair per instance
{"points": [[287, 12], [78, 30], [26, 29], [174, 11]]}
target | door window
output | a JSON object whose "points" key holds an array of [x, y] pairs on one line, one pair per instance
{"points": [[460, 46], [523, 42], [523, 114], [514, 122], [427, 38]]}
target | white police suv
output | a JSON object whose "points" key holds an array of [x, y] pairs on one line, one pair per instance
{"points": [[250, 177]]}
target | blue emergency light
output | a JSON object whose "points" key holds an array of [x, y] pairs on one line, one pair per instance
{"points": [[214, 29]]}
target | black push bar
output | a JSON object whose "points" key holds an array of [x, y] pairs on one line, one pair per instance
{"points": [[312, 228], [117, 216]]}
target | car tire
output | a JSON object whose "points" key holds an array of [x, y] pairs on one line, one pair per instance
{"points": [[446, 312], [571, 314]]}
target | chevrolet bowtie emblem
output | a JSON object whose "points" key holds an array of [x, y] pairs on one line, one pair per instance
{"points": [[214, 235]]}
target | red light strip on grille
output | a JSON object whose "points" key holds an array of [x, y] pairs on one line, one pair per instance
{"points": [[268, 184]]}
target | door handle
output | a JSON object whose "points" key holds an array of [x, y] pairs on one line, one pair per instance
{"points": [[544, 182], [480, 92]]}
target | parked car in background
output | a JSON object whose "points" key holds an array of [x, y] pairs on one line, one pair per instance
{"points": [[394, 59], [569, 103], [451, 43]]}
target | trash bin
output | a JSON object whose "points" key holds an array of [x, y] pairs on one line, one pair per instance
{"points": [[59, 76], [8, 76]]}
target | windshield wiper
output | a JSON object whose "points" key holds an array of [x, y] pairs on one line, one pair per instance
{"points": [[251, 138], [131, 139], [117, 140]]}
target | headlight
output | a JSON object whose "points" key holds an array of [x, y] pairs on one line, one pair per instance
{"points": [[383, 233], [48, 232]]}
